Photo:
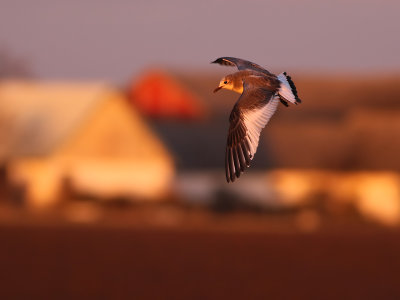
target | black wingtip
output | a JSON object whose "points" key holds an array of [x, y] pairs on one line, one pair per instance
{"points": [[223, 61], [293, 87], [284, 102]]}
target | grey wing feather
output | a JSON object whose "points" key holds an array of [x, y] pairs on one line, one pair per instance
{"points": [[237, 156], [241, 64]]}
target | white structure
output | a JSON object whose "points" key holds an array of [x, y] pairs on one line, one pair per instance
{"points": [[86, 134]]}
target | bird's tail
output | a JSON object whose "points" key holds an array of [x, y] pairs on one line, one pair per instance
{"points": [[287, 90]]}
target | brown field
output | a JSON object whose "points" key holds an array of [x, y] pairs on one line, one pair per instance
{"points": [[200, 256]]}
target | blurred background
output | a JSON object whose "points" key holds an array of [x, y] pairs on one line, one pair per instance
{"points": [[112, 151]]}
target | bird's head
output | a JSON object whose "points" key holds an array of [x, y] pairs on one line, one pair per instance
{"points": [[225, 83]]}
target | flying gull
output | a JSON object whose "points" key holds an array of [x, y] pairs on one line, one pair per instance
{"points": [[261, 92]]}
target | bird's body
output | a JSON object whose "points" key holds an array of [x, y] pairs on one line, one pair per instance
{"points": [[261, 92]]}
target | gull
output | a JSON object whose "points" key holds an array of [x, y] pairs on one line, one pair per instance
{"points": [[261, 92]]}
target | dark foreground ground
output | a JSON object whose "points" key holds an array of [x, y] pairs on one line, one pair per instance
{"points": [[83, 261]]}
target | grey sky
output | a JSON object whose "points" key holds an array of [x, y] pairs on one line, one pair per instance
{"points": [[114, 40]]}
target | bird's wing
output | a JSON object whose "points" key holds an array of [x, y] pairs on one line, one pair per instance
{"points": [[249, 116], [241, 64]]}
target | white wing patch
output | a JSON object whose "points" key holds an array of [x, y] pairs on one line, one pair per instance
{"points": [[285, 90], [255, 121]]}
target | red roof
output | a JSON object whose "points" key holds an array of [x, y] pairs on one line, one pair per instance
{"points": [[157, 94]]}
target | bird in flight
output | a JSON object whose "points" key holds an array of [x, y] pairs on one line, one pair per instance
{"points": [[261, 92]]}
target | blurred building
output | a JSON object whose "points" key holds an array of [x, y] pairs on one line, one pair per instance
{"points": [[344, 122], [157, 94], [79, 137]]}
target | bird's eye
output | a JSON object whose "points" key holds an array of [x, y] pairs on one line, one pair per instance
{"points": [[225, 82]]}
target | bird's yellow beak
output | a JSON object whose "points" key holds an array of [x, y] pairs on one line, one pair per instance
{"points": [[217, 89]]}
